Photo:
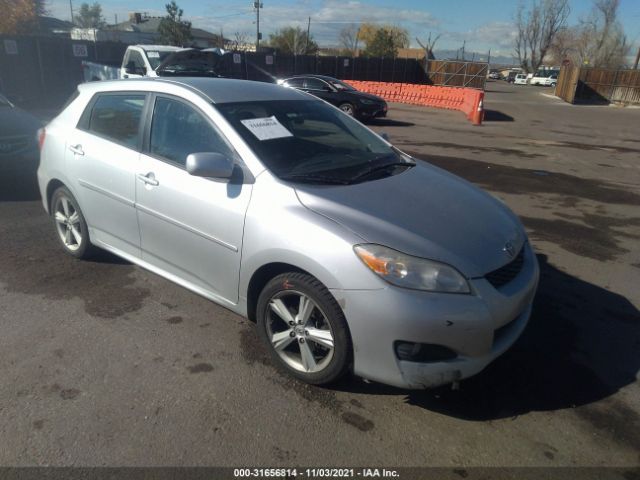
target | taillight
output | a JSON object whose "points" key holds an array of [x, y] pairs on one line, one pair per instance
{"points": [[42, 133]]}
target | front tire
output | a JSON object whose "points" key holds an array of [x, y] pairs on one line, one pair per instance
{"points": [[348, 109], [70, 225], [304, 328]]}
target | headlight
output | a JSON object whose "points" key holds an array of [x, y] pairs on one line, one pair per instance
{"points": [[366, 101], [411, 272]]}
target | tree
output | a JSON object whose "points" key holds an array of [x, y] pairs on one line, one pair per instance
{"points": [[383, 41], [240, 42], [20, 16], [293, 41], [603, 42], [537, 29], [381, 45], [428, 46], [348, 40], [89, 16], [172, 29]]}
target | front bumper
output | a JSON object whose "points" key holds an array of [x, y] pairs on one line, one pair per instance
{"points": [[372, 111], [477, 327]]}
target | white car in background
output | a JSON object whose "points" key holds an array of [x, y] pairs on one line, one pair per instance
{"points": [[520, 79], [546, 81]]}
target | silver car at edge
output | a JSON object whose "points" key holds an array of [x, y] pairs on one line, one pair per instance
{"points": [[350, 255]]}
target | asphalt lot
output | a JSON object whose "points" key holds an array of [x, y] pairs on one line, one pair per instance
{"points": [[104, 363]]}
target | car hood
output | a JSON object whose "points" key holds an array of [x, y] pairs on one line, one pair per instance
{"points": [[426, 212], [15, 122]]}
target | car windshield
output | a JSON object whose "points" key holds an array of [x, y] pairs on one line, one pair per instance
{"points": [[340, 85], [156, 58], [308, 140]]}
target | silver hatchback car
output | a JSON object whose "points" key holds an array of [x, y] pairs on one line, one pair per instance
{"points": [[349, 254]]}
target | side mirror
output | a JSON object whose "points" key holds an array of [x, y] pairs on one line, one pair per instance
{"points": [[209, 165]]}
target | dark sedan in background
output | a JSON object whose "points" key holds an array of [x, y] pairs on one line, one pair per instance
{"points": [[18, 140], [351, 101]]}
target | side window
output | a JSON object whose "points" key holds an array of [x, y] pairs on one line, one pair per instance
{"points": [[117, 117], [295, 82], [178, 129], [314, 84], [135, 63]]}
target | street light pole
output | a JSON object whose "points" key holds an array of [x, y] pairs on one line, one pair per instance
{"points": [[257, 5]]}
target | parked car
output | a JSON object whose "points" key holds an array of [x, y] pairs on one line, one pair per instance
{"points": [[18, 139], [546, 79], [520, 79], [351, 101], [349, 254], [155, 61], [495, 75], [511, 77]]}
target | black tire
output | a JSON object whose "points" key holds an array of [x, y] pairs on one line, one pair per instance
{"points": [[325, 307], [84, 247], [348, 108]]}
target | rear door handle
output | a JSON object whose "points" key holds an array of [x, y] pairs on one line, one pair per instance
{"points": [[77, 149], [148, 178]]}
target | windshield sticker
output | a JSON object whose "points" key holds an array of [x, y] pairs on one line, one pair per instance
{"points": [[153, 54], [267, 128]]}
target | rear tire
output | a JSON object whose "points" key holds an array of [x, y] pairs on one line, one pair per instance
{"points": [[304, 329], [70, 225]]}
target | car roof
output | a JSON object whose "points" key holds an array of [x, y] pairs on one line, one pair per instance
{"points": [[321, 77], [216, 90], [161, 48]]}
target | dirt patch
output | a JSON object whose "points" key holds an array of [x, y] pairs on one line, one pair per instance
{"points": [[33, 262], [200, 368], [597, 239], [519, 181], [457, 146]]}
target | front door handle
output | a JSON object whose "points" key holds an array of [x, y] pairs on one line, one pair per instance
{"points": [[77, 149], [149, 179]]}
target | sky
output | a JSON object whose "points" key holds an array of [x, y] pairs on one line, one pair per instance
{"points": [[484, 24]]}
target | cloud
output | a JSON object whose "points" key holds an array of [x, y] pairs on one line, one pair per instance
{"points": [[495, 36]]}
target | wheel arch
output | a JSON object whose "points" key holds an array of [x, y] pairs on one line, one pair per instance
{"points": [[261, 277], [52, 186]]}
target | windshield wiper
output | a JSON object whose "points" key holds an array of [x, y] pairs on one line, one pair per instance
{"points": [[314, 178], [384, 166]]}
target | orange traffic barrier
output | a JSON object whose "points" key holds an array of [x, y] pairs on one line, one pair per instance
{"points": [[467, 100]]}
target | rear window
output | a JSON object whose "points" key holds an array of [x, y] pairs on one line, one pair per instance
{"points": [[117, 117]]}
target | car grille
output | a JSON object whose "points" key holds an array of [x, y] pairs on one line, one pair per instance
{"points": [[508, 272], [9, 145]]}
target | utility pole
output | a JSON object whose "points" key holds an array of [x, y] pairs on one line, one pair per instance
{"points": [[464, 43], [71, 9], [306, 50], [257, 5], [635, 65]]}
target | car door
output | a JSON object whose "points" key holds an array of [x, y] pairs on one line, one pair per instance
{"points": [[134, 65], [102, 158], [190, 227], [320, 89]]}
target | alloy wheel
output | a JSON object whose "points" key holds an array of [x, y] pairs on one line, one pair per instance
{"points": [[68, 223], [299, 331]]}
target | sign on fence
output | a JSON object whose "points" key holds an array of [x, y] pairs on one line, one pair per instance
{"points": [[269, 59], [80, 50], [10, 47], [236, 58]]}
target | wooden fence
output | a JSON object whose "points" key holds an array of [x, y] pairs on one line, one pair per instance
{"points": [[457, 73], [598, 85]]}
